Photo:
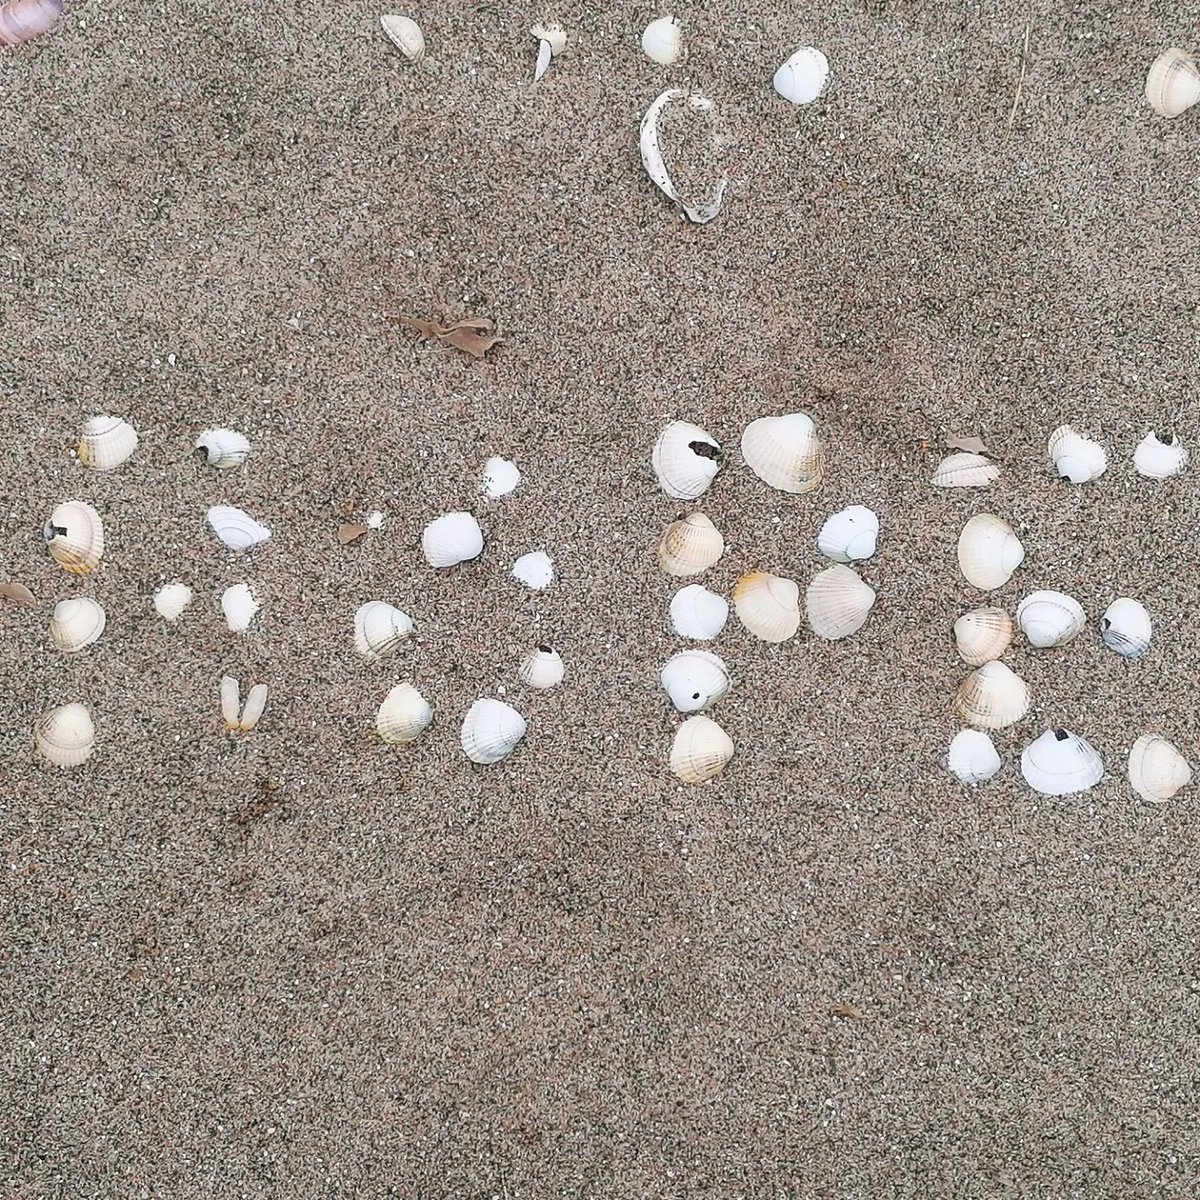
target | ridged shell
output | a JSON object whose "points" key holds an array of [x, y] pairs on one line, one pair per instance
{"points": [[1126, 628], [1159, 456], [403, 716], [379, 628], [785, 452], [982, 635], [1060, 763], [541, 668], [75, 537], [837, 603], [803, 76], [452, 539], [992, 697], [685, 460], [690, 545], [405, 34], [65, 736], [988, 552], [76, 623], [500, 476], [1050, 618], [106, 443], [1156, 769], [661, 40], [849, 535], [171, 599], [535, 570], [1172, 83], [1075, 457], [768, 605], [491, 731], [694, 679], [972, 756], [224, 448], [700, 750], [700, 207], [697, 613], [239, 604], [965, 471], [23, 20], [236, 528]]}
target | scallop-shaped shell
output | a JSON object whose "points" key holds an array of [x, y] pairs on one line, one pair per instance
{"points": [[379, 628], [700, 750], [541, 668], [76, 623], [982, 635], [236, 528], [1159, 456], [661, 40], [992, 697], [1156, 769], [785, 452], [106, 443], [837, 602], [491, 731], [1172, 83], [1075, 457], [171, 599], [965, 471], [701, 207], [405, 34], [690, 545], [972, 756], [694, 679], [23, 20], [239, 604], [698, 613], [988, 552], [768, 605], [1060, 763], [849, 535], [535, 570], [803, 76], [65, 736], [75, 537], [403, 716], [500, 476], [1126, 627], [1050, 618], [224, 448], [452, 539], [685, 459]]}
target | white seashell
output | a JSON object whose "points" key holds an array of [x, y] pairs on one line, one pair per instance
{"points": [[374, 519], [965, 471], [837, 603], [237, 529], [701, 208], [256, 705], [403, 716], [405, 34], [106, 443], [452, 539], [224, 448], [700, 750], [1060, 763], [698, 613], [983, 634], [1172, 83], [768, 605], [239, 604], [802, 78], [65, 736], [1050, 618], [662, 41], [491, 731], [992, 697], [690, 545], [235, 716], [552, 41], [694, 679], [785, 452], [849, 535], [988, 552], [1075, 457], [1126, 628], [499, 477], [685, 459], [535, 570], [972, 756], [379, 628], [541, 668], [171, 599], [1159, 456], [1156, 769], [76, 623], [75, 537]]}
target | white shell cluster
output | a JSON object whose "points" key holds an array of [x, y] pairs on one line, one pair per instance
{"points": [[237, 716]]}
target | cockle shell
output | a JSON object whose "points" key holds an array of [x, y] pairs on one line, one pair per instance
{"points": [[1172, 83], [491, 731], [700, 208], [236, 528], [988, 552], [239, 604], [837, 603], [982, 635], [768, 605], [379, 628], [23, 20], [1050, 618], [1159, 456], [76, 623], [685, 459], [697, 613], [499, 477], [965, 471], [694, 679], [403, 716], [224, 448], [972, 756], [535, 570], [75, 537], [1060, 763], [803, 76], [700, 750], [452, 539], [1075, 457], [541, 668], [236, 717], [1156, 769], [785, 452], [992, 697], [65, 736], [661, 40], [106, 443], [171, 599], [690, 545], [849, 535], [552, 41], [405, 34], [1126, 628]]}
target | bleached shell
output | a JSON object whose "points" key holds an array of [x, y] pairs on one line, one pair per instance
{"points": [[236, 528], [452, 539], [1060, 763], [76, 623], [785, 452], [541, 668], [838, 602], [1050, 618], [803, 76], [699, 209], [698, 613], [1172, 83], [661, 40], [700, 750], [171, 599], [1159, 456], [256, 705], [500, 476], [690, 545], [1075, 457], [405, 34], [379, 628], [65, 736], [75, 537], [1156, 769], [965, 471], [1126, 627], [685, 459], [694, 679], [544, 55], [849, 535], [106, 443], [239, 604], [491, 731], [972, 756], [224, 448], [992, 697], [553, 34], [768, 605], [983, 634], [988, 552], [535, 570], [403, 716], [231, 701]]}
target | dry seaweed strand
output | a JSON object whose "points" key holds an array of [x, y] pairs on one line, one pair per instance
{"points": [[1012, 116], [475, 335]]}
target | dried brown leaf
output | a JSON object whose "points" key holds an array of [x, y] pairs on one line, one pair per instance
{"points": [[427, 329], [351, 533], [482, 326], [18, 593], [971, 445], [842, 1009], [470, 341]]}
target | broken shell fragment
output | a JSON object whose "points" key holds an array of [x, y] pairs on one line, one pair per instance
{"points": [[785, 452], [552, 41], [698, 613], [802, 77], [661, 40], [499, 477], [768, 605], [702, 201], [235, 716], [452, 539], [849, 535], [700, 750], [224, 448], [65, 736], [1060, 763], [23, 20], [1050, 618], [541, 668], [491, 731], [1159, 456], [239, 604], [1156, 769], [694, 680], [106, 443], [1075, 457], [18, 593], [535, 570], [231, 701], [76, 623], [837, 602], [171, 599], [1126, 628], [690, 545], [972, 756], [403, 716], [982, 635], [965, 471], [992, 697], [379, 628], [1172, 83], [686, 460], [988, 552], [75, 537], [236, 528], [405, 34]]}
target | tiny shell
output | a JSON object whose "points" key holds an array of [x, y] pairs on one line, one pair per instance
{"points": [[700, 750], [65, 736], [690, 545], [988, 552], [1159, 456], [239, 604], [699, 209], [982, 635], [379, 628], [1126, 628], [75, 537], [965, 471], [661, 40], [106, 443], [76, 623], [405, 34], [236, 528], [972, 756], [1050, 618], [535, 570], [1172, 83], [698, 613], [1156, 769], [837, 603], [452, 539], [992, 697], [171, 599], [694, 679], [541, 668], [1060, 763], [491, 731], [803, 76], [768, 605], [499, 477], [23, 20], [685, 459], [1076, 458], [785, 452], [849, 535], [224, 448], [403, 716]]}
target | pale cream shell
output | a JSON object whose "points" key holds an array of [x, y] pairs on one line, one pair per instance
{"points": [[972, 757], [685, 460], [768, 605], [75, 537], [491, 731], [1060, 763], [239, 604], [65, 736], [1076, 458], [236, 528], [988, 552], [690, 545], [802, 77], [694, 679], [171, 599], [838, 602], [224, 448], [965, 470], [106, 443], [1126, 627], [1156, 769], [76, 623], [992, 697], [451, 539], [700, 750], [701, 207], [403, 716], [379, 628], [542, 667], [982, 635], [662, 41], [1172, 83], [405, 34], [1159, 457], [1050, 618], [235, 716], [785, 452], [849, 535]]}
